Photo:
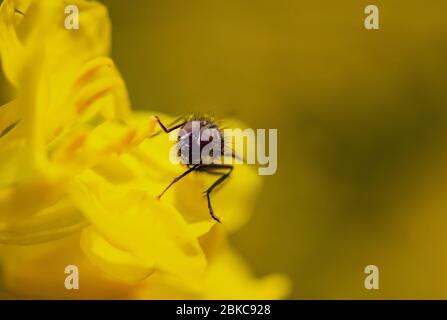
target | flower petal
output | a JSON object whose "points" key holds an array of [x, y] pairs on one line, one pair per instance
{"points": [[134, 222], [49, 224], [64, 51], [120, 265], [37, 271]]}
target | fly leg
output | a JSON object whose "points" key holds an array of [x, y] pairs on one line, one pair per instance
{"points": [[223, 176]]}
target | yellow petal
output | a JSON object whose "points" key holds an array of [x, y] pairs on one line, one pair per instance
{"points": [[38, 271], [11, 50], [120, 265], [228, 277], [64, 51], [49, 224], [87, 147], [9, 117], [134, 222]]}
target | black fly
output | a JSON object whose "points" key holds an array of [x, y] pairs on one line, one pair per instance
{"points": [[188, 140]]}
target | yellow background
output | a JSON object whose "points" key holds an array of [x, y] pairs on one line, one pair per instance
{"points": [[362, 121]]}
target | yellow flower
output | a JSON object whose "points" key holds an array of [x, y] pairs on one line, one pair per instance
{"points": [[79, 177]]}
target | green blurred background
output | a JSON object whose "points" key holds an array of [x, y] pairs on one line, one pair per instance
{"points": [[361, 118]]}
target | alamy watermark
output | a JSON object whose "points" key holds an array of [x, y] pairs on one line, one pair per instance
{"points": [[372, 279], [198, 144], [72, 280], [371, 21], [72, 19]]}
